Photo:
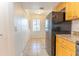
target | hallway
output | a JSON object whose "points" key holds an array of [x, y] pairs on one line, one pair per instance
{"points": [[35, 47], [32, 24]]}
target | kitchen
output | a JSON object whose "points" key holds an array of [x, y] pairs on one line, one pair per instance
{"points": [[65, 26], [18, 28]]}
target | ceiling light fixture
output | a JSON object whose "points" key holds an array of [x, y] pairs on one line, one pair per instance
{"points": [[39, 11]]}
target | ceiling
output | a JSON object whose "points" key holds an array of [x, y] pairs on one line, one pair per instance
{"points": [[33, 7], [38, 5]]}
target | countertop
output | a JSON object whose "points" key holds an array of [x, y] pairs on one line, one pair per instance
{"points": [[69, 37]]}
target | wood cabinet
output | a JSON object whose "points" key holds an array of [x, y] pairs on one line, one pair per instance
{"points": [[58, 47], [64, 47], [66, 52], [71, 10], [76, 9]]}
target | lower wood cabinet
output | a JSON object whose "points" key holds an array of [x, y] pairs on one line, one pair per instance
{"points": [[58, 47], [64, 47]]}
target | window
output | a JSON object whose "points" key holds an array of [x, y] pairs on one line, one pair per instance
{"points": [[24, 24], [46, 25], [36, 25], [21, 24]]}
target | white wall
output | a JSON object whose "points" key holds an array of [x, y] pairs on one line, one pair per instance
{"points": [[6, 29], [21, 36]]}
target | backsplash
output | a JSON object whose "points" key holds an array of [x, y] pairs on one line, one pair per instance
{"points": [[75, 33], [63, 28], [75, 25], [75, 28]]}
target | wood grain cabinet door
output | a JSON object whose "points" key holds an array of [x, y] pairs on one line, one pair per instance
{"points": [[64, 47], [58, 47], [69, 11], [66, 52]]}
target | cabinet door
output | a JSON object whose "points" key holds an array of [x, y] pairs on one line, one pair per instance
{"points": [[72, 10], [69, 11], [58, 47], [58, 50], [69, 45], [66, 52], [64, 47], [68, 48], [76, 10]]}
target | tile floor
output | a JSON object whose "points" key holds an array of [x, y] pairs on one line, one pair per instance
{"points": [[35, 47]]}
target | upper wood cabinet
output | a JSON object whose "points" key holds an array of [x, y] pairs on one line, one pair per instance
{"points": [[76, 9], [68, 11], [71, 10]]}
